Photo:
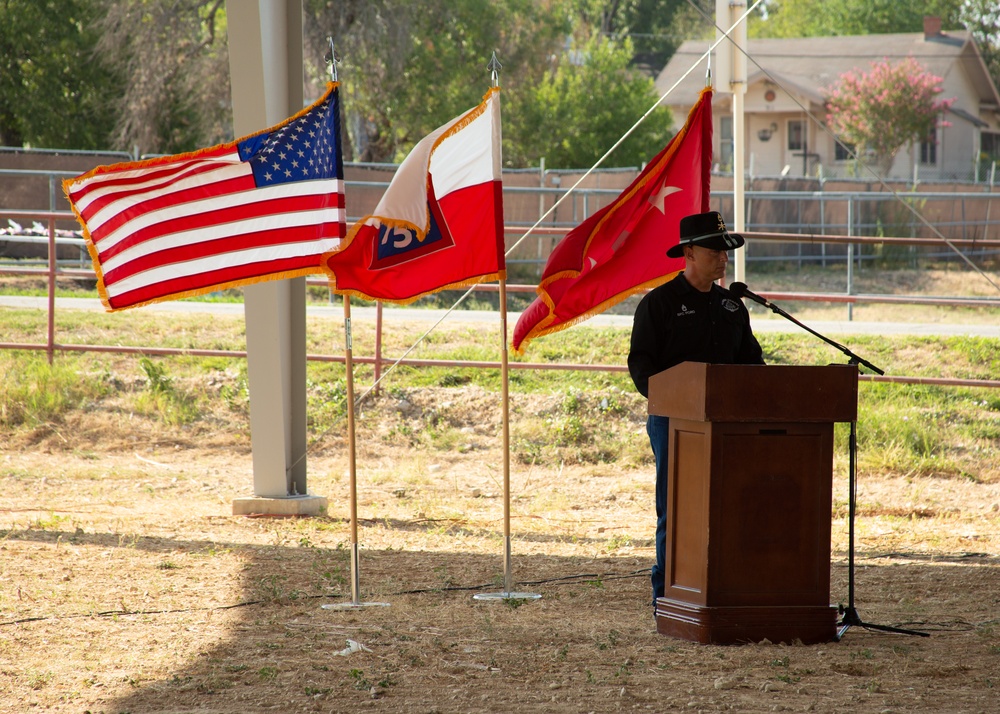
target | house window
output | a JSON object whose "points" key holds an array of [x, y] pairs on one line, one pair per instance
{"points": [[844, 151], [990, 145], [796, 135], [928, 148], [726, 141]]}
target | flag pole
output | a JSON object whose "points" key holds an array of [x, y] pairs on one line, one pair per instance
{"points": [[505, 420], [352, 462], [508, 592], [352, 472]]}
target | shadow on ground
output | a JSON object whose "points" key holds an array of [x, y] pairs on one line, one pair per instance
{"points": [[589, 644]]}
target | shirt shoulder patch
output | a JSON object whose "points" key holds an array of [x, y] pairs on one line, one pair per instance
{"points": [[730, 305]]}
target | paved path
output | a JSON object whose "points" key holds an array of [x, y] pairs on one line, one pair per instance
{"points": [[768, 323]]}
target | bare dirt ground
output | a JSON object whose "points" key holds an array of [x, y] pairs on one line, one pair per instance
{"points": [[126, 585]]}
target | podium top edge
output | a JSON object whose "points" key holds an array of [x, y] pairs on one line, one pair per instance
{"points": [[701, 391]]}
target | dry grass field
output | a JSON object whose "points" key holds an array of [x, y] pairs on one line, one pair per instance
{"points": [[126, 585]]}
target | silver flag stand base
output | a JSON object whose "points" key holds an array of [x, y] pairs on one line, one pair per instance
{"points": [[352, 605], [506, 596], [355, 603], [507, 593]]}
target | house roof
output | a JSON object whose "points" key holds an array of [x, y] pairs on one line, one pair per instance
{"points": [[809, 64], [974, 120]]}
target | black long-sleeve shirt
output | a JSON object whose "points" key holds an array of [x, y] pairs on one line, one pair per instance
{"points": [[676, 323]]}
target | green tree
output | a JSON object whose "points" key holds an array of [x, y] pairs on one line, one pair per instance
{"points": [[655, 27], [407, 67], [982, 18], [886, 108], [830, 18], [455, 48], [53, 89], [578, 111], [154, 73], [174, 57]]}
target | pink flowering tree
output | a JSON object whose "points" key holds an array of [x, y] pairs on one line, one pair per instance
{"points": [[886, 108]]}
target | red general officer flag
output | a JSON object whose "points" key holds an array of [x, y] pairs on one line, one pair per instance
{"points": [[263, 207], [439, 224], [622, 248]]}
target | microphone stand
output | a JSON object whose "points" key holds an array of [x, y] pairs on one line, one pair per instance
{"points": [[850, 617]]}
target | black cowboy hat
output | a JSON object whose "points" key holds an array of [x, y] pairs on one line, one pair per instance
{"points": [[707, 230]]}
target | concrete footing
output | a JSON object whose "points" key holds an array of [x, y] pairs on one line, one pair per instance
{"points": [[289, 506]]}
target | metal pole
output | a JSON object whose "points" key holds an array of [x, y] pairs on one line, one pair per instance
{"points": [[850, 256], [352, 463], [52, 290], [541, 205], [738, 86], [378, 345], [352, 467], [508, 578], [822, 217], [989, 204], [798, 221]]}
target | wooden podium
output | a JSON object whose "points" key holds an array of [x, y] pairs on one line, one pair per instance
{"points": [[749, 500]]}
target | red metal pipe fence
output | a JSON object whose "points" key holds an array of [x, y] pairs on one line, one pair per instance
{"points": [[50, 347]]}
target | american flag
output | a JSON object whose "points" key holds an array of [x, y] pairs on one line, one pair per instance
{"points": [[264, 207]]}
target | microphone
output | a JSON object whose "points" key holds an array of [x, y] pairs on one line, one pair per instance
{"points": [[741, 290]]}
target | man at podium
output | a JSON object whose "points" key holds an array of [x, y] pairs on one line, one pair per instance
{"points": [[688, 319]]}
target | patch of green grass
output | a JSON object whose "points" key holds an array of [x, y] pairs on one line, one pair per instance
{"points": [[444, 439], [40, 289], [272, 589], [326, 401], [162, 399], [597, 417], [614, 636], [156, 374], [36, 392], [618, 541], [360, 681], [330, 568], [37, 680], [923, 429], [267, 674], [52, 521]]}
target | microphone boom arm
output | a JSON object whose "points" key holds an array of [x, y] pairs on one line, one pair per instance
{"points": [[854, 359]]}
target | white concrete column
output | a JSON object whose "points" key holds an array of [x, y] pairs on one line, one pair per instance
{"points": [[265, 64], [731, 75]]}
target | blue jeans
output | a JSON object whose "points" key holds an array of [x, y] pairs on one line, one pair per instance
{"points": [[657, 427]]}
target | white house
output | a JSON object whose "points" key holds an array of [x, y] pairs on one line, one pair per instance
{"points": [[784, 102]]}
